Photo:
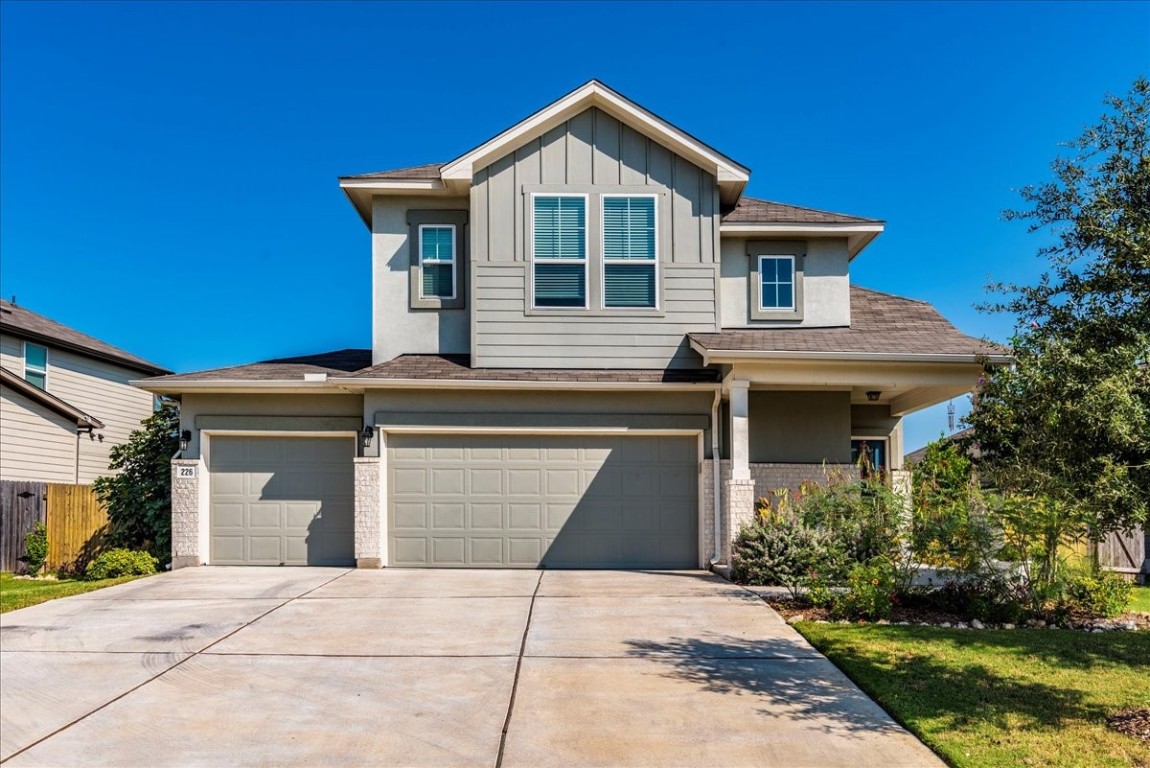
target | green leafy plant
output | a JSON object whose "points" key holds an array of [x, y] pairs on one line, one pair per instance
{"points": [[870, 592], [120, 562], [781, 552], [991, 596], [861, 516], [1100, 594], [139, 497], [36, 548]]}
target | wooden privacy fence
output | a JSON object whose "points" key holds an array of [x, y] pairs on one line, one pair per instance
{"points": [[1123, 551], [76, 524], [74, 517], [21, 507]]}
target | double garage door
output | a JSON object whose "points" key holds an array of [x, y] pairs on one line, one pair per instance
{"points": [[469, 501], [542, 500]]}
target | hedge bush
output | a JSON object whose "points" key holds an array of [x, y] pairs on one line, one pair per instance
{"points": [[120, 562]]}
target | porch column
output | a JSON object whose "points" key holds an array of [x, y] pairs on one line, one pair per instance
{"points": [[739, 491], [740, 431]]}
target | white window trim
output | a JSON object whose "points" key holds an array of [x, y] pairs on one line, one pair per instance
{"points": [[794, 282], [453, 261], [606, 261], [24, 361], [586, 251]]}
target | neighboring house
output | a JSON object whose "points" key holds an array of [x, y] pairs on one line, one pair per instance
{"points": [[917, 455], [65, 399], [572, 321]]}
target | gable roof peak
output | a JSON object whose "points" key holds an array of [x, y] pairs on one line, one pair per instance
{"points": [[731, 175]]}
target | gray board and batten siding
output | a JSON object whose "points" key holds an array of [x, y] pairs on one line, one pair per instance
{"points": [[592, 153]]}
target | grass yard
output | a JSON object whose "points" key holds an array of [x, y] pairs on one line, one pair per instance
{"points": [[21, 593], [1001, 697], [1140, 599]]}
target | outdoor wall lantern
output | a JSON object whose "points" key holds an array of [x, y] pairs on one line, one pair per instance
{"points": [[366, 435], [185, 438], [873, 395]]}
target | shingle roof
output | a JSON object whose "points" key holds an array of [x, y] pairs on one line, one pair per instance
{"points": [[880, 324], [415, 172], [332, 363], [458, 368], [22, 322], [751, 210]]}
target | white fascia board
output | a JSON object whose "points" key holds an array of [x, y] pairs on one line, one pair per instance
{"points": [[736, 229], [364, 383], [598, 95], [233, 385], [743, 355], [393, 186]]}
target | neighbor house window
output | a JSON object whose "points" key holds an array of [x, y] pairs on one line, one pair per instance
{"points": [[629, 251], [437, 261], [36, 365], [777, 283], [559, 250]]}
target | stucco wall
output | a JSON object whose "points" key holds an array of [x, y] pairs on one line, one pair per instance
{"points": [[802, 427], [826, 285], [193, 405], [396, 328]]}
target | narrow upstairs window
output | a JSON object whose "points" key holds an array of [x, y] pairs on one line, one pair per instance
{"points": [[559, 251], [437, 279], [36, 364], [629, 251]]}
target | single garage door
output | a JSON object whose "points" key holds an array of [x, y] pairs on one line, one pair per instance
{"points": [[537, 500], [282, 500]]}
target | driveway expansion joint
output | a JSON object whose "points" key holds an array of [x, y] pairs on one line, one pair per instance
{"points": [[518, 668]]}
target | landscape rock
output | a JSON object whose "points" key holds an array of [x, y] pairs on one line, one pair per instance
{"points": [[976, 624]]}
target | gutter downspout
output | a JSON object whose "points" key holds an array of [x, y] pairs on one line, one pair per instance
{"points": [[716, 490]]}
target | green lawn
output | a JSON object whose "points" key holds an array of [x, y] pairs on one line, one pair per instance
{"points": [[21, 593], [1140, 599], [1001, 697]]}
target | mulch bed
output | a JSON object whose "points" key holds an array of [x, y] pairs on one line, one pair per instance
{"points": [[792, 610], [1132, 722]]}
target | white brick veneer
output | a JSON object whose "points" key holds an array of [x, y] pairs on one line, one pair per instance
{"points": [[743, 502], [368, 513], [186, 515]]}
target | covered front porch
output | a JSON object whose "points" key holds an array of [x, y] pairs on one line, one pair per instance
{"points": [[784, 421]]}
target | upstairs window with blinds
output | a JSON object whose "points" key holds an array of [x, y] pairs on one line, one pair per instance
{"points": [[36, 365], [629, 251], [559, 249], [437, 261]]}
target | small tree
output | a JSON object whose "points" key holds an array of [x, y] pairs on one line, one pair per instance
{"points": [[1068, 424], [139, 498]]}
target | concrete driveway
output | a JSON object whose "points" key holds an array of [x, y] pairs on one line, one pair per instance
{"points": [[314, 666]]}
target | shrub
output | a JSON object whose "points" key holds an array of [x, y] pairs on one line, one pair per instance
{"points": [[774, 552], [870, 593], [861, 516], [1099, 594], [36, 548], [120, 562], [993, 597]]}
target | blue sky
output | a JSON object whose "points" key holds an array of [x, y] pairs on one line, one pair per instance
{"points": [[168, 171]]}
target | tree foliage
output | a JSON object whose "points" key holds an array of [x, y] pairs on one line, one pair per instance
{"points": [[138, 499], [1070, 420]]}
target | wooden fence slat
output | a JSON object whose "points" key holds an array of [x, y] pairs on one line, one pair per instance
{"points": [[21, 507]]}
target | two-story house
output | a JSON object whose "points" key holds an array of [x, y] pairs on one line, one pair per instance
{"points": [[65, 399], [590, 349]]}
